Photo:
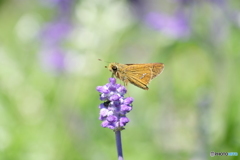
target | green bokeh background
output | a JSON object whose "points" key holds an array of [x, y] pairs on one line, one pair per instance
{"points": [[192, 108]]}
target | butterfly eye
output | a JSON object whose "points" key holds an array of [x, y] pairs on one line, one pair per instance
{"points": [[114, 68]]}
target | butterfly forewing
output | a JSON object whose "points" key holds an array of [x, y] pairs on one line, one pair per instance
{"points": [[138, 74], [141, 74]]}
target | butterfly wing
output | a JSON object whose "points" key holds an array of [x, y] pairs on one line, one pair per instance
{"points": [[141, 74]]}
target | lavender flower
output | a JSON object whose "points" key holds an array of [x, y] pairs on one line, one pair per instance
{"points": [[115, 107], [53, 55], [174, 26], [53, 59]]}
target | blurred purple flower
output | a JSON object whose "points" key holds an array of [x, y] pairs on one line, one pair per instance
{"points": [[64, 6], [138, 7], [53, 60], [113, 111], [184, 2], [175, 26], [182, 23], [54, 34], [217, 1]]}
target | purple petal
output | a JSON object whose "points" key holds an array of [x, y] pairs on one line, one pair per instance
{"points": [[101, 106], [112, 88], [112, 81], [125, 108], [104, 112], [122, 90], [111, 126], [114, 97], [116, 103], [105, 124], [102, 89], [128, 100], [111, 118], [118, 85], [123, 121], [101, 118], [103, 97]]}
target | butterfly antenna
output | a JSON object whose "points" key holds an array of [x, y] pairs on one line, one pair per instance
{"points": [[103, 61]]}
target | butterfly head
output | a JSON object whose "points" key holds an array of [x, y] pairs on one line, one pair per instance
{"points": [[112, 67]]}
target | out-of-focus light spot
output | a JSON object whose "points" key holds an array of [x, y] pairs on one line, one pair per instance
{"points": [[27, 27], [5, 139], [238, 19], [10, 73], [30, 102], [86, 39], [75, 63]]}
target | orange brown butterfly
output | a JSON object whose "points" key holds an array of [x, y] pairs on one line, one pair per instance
{"points": [[139, 75]]}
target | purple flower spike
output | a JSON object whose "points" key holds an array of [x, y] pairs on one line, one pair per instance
{"points": [[115, 107]]}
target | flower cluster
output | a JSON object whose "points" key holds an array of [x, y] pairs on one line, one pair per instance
{"points": [[115, 107]]}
